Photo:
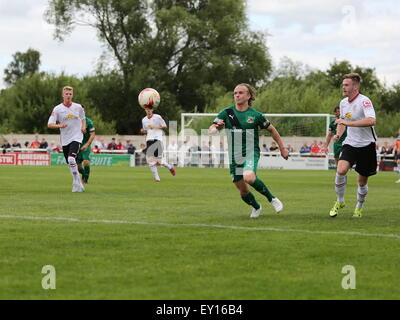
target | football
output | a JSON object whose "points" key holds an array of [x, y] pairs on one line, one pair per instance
{"points": [[149, 98]]}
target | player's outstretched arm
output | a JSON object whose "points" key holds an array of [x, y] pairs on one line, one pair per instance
{"points": [[277, 137]]}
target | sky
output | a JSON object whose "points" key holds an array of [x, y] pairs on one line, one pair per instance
{"points": [[313, 32]]}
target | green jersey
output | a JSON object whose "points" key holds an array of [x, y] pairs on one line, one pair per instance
{"points": [[333, 127], [243, 139], [89, 128]]}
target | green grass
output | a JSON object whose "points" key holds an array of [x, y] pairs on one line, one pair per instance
{"points": [[181, 253]]}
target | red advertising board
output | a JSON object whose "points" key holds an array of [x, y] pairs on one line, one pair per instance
{"points": [[8, 159], [25, 159]]}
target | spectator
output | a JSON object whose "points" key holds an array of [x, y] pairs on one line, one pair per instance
{"points": [[120, 146], [43, 144], [130, 147], [35, 143], [100, 144], [53, 148], [273, 147], [112, 145], [6, 145], [315, 149], [265, 149], [16, 144], [26, 144], [96, 149], [386, 149], [305, 148], [290, 148]]}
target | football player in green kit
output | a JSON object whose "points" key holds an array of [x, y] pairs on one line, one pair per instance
{"points": [[337, 146], [84, 153], [243, 124]]}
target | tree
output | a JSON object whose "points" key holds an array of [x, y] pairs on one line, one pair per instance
{"points": [[27, 105], [180, 47], [23, 64], [369, 80]]}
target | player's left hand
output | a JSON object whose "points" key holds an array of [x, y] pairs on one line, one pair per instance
{"points": [[285, 153], [84, 147], [150, 126]]}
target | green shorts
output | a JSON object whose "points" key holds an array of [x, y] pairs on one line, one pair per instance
{"points": [[83, 155], [337, 148], [236, 170]]}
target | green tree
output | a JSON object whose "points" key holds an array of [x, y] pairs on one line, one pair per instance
{"points": [[23, 64], [338, 69], [180, 47], [27, 105]]}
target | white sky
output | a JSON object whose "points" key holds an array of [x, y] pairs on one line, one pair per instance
{"points": [[314, 32]]}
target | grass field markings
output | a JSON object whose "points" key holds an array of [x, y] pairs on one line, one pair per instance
{"points": [[220, 226]]}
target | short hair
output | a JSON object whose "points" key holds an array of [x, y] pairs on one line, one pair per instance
{"points": [[355, 77], [336, 108], [251, 90], [67, 88]]}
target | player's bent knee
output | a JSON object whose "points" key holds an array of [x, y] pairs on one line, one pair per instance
{"points": [[249, 177], [71, 161]]}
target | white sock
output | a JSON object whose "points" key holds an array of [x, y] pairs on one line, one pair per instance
{"points": [[166, 165], [340, 187], [154, 170], [73, 167], [361, 195]]}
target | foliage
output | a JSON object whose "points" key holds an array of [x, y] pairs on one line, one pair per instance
{"points": [[27, 105], [23, 64], [184, 49]]}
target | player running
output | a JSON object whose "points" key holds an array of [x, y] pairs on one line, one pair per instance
{"points": [[337, 146], [83, 159], [358, 115], [153, 126], [243, 123], [69, 117]]}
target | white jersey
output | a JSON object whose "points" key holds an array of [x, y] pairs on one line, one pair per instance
{"points": [[73, 117], [359, 108], [154, 121]]}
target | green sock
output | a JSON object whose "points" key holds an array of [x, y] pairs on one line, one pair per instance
{"points": [[80, 169], [86, 173], [250, 200], [262, 188]]}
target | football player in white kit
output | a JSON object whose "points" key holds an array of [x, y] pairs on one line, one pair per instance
{"points": [[358, 115], [153, 126], [69, 117]]}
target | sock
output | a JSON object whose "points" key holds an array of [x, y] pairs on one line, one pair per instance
{"points": [[250, 200], [340, 187], [361, 195], [166, 165], [153, 169], [73, 167], [262, 188], [86, 173]]}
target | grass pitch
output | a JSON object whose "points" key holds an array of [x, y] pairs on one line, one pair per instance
{"points": [[190, 236]]}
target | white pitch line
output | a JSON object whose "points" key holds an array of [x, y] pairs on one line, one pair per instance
{"points": [[220, 226]]}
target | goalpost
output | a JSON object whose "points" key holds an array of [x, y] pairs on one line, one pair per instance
{"points": [[296, 129]]}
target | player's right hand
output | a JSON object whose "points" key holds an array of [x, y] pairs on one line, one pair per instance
{"points": [[63, 125], [143, 131], [220, 124]]}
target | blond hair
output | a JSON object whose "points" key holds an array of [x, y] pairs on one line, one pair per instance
{"points": [[67, 88], [251, 90]]}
